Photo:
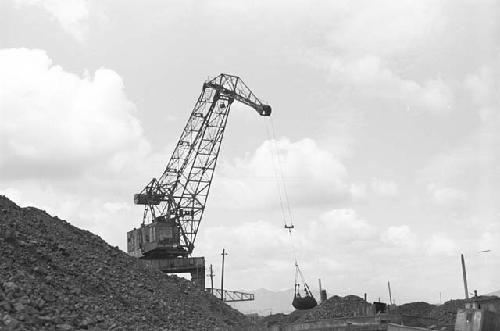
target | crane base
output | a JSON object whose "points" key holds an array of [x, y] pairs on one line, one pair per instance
{"points": [[192, 265]]}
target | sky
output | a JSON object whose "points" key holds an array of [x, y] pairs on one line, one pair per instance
{"points": [[386, 118]]}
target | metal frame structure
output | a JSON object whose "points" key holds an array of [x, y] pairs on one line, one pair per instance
{"points": [[180, 194], [231, 296]]}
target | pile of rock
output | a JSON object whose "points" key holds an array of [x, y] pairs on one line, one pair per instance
{"points": [[54, 276], [416, 314], [446, 313], [336, 306], [425, 314], [280, 318], [422, 309]]}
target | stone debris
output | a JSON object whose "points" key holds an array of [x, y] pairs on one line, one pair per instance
{"points": [[415, 309], [54, 276], [336, 306], [446, 313], [417, 314], [423, 314]]}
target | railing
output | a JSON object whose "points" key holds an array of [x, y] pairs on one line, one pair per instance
{"points": [[232, 296]]}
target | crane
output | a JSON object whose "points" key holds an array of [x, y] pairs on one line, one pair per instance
{"points": [[175, 202]]}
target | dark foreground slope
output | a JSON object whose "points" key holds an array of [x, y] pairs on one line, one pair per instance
{"points": [[54, 276]]}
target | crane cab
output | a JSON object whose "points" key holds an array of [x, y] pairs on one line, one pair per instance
{"points": [[161, 238]]}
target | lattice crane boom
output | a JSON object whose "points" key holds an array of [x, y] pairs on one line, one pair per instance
{"points": [[179, 196]]}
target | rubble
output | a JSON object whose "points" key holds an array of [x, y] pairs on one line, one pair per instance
{"points": [[415, 314], [415, 309], [54, 276], [336, 306], [446, 313]]}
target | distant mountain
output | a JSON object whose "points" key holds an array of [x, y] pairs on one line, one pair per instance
{"points": [[268, 302]]}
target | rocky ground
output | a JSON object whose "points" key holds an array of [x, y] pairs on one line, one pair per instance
{"points": [[54, 276], [419, 314], [336, 306], [446, 313]]}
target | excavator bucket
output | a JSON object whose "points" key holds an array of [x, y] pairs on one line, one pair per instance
{"points": [[304, 303]]}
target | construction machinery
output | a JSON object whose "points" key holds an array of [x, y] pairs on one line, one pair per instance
{"points": [[302, 302], [175, 202]]}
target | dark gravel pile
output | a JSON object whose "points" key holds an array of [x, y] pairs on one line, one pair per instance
{"points": [[415, 309], [336, 306], [416, 314], [447, 312], [54, 276], [425, 314], [278, 319]]}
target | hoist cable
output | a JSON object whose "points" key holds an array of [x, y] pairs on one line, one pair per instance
{"points": [[280, 171], [275, 170], [284, 202]]}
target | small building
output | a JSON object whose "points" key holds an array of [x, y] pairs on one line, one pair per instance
{"points": [[480, 314], [490, 303]]}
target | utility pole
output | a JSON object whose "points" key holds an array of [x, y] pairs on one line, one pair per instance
{"points": [[464, 274], [390, 294], [222, 275], [211, 275]]}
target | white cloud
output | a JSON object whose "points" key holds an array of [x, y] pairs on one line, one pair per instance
{"points": [[55, 123], [370, 52], [312, 176], [399, 236], [446, 195], [386, 27], [358, 191], [116, 206], [371, 79], [264, 248], [71, 144], [342, 226], [440, 244], [384, 187], [490, 238], [483, 87], [72, 15]]}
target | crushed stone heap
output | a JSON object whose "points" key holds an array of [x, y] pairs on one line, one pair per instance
{"points": [[336, 306], [415, 309], [54, 276], [447, 312]]}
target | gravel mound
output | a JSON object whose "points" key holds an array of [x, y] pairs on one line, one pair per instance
{"points": [[280, 318], [336, 306], [446, 313], [425, 314], [422, 309], [54, 276]]}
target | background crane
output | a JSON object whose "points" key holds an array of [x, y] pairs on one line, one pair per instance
{"points": [[175, 202]]}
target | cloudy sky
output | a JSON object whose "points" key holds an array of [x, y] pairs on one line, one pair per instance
{"points": [[386, 115]]}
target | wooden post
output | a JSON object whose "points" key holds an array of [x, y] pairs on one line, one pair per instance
{"points": [[464, 274], [211, 279], [222, 275], [390, 294]]}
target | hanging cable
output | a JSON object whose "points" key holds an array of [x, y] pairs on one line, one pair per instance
{"points": [[299, 302], [276, 176], [280, 180]]}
